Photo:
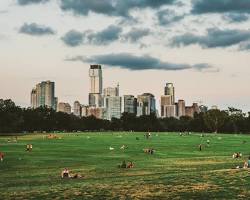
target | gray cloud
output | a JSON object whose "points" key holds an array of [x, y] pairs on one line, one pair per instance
{"points": [[167, 16], [108, 7], [36, 30], [137, 63], [245, 46], [235, 17], [27, 2], [104, 37], [74, 38], [213, 38], [220, 6], [136, 34]]}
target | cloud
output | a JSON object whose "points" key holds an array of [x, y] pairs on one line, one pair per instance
{"points": [[36, 30], [235, 17], [137, 63], [73, 38], [214, 38], [110, 8], [27, 2], [220, 6], [245, 46], [106, 36], [166, 17], [136, 34]]}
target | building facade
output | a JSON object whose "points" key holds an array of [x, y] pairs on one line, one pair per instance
{"points": [[44, 95], [77, 109], [169, 90], [111, 91], [112, 105], [145, 104], [95, 95], [64, 107], [130, 104]]}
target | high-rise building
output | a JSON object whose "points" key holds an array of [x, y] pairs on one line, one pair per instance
{"points": [[181, 108], [169, 90], [190, 110], [64, 107], [113, 107], [145, 104], [44, 94], [111, 91], [130, 104], [33, 99], [84, 109], [112, 103], [77, 109], [168, 109], [95, 95]]}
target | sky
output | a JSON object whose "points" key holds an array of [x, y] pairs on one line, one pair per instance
{"points": [[201, 46]]}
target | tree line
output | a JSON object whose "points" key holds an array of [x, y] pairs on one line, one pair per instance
{"points": [[14, 119]]}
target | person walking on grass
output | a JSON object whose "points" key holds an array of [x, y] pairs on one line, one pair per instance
{"points": [[1, 156], [200, 147]]}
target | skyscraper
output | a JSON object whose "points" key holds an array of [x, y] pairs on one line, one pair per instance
{"points": [[64, 107], [168, 109], [181, 108], [112, 106], [77, 109], [112, 103], [145, 104], [169, 90], [130, 104], [111, 91], [44, 93], [33, 99], [95, 95]]}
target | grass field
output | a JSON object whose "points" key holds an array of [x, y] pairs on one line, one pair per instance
{"points": [[177, 170]]}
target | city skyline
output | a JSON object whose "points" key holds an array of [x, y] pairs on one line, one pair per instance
{"points": [[175, 43]]}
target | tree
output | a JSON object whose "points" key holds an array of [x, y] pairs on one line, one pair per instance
{"points": [[214, 119]]}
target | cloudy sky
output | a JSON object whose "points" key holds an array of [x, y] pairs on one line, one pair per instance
{"points": [[202, 46]]}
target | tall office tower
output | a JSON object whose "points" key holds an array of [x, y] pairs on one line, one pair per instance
{"points": [[33, 99], [84, 109], [130, 104], [113, 105], [45, 95], [109, 91], [169, 90], [168, 109], [181, 108], [145, 104], [95, 95], [64, 107], [77, 109]]}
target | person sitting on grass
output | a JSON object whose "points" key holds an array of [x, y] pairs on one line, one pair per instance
{"points": [[247, 163], [1, 156], [123, 165], [130, 165], [27, 147]]}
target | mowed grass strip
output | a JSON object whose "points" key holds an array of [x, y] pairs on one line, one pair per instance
{"points": [[177, 169]]}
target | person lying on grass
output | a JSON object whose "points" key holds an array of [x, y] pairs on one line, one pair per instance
{"points": [[130, 165], [65, 174]]}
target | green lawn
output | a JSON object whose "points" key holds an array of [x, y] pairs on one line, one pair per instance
{"points": [[177, 170]]}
